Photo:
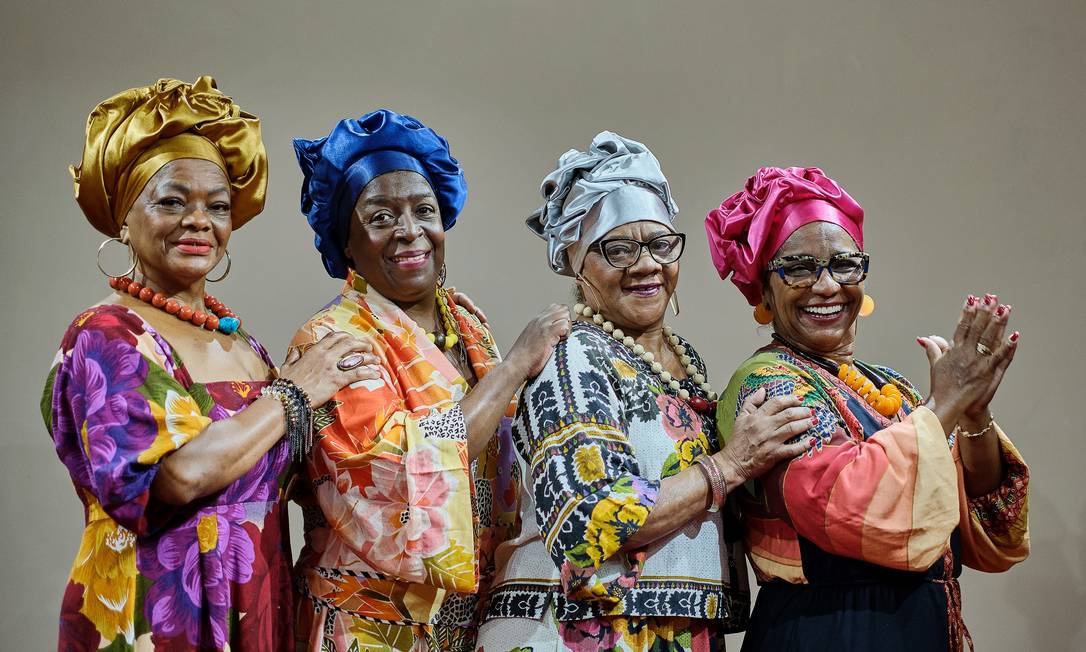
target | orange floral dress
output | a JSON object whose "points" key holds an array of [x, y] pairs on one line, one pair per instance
{"points": [[400, 527]]}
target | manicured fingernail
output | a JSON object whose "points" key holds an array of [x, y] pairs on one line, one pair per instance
{"points": [[812, 441], [1000, 311], [920, 341], [989, 299], [971, 300], [1014, 336], [813, 412]]}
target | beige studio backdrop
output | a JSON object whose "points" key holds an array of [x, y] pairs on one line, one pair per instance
{"points": [[957, 125]]}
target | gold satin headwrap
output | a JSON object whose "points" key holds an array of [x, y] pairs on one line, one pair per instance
{"points": [[133, 134]]}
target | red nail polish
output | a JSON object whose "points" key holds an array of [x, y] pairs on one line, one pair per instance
{"points": [[812, 441], [1014, 336], [920, 341], [813, 412], [989, 299], [972, 300], [1000, 311]]}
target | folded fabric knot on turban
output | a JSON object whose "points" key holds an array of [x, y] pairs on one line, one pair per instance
{"points": [[615, 182], [133, 134], [337, 168], [749, 228]]}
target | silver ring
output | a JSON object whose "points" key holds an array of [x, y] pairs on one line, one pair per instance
{"points": [[983, 350], [351, 361]]}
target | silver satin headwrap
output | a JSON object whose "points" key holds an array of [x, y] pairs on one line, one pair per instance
{"points": [[615, 182]]}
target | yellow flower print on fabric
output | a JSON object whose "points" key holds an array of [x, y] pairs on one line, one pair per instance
{"points": [[207, 532], [179, 420], [106, 567], [625, 370], [690, 449], [588, 464], [610, 518]]}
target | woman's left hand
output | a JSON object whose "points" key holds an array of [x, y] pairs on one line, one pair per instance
{"points": [[995, 317], [464, 300]]}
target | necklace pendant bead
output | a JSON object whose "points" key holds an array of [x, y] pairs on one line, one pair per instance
{"points": [[699, 404], [229, 325]]}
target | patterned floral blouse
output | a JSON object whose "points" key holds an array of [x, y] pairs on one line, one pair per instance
{"points": [[213, 575], [400, 527], [597, 433], [873, 494]]}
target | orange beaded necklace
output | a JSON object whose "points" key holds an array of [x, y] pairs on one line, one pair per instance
{"points": [[218, 318], [886, 401]]}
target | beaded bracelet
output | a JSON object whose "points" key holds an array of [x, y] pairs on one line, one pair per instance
{"points": [[970, 435], [716, 482], [299, 414]]}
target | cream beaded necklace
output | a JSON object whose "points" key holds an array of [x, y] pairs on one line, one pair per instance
{"points": [[676, 345]]}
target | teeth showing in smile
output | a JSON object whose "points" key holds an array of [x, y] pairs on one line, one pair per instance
{"points": [[412, 257], [823, 310]]}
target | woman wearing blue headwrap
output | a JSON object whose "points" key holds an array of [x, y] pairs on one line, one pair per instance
{"points": [[411, 483]]}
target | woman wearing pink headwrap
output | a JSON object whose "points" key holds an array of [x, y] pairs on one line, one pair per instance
{"points": [[857, 544]]}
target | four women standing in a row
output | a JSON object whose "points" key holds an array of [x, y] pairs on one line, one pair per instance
{"points": [[604, 509]]}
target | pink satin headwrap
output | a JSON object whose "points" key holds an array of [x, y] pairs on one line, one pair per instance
{"points": [[751, 225]]}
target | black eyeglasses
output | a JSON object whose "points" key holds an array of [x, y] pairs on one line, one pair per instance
{"points": [[623, 253], [804, 270]]}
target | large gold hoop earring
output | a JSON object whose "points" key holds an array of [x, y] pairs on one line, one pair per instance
{"points": [[131, 256], [224, 274]]}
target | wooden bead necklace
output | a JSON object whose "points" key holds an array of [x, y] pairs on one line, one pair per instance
{"points": [[676, 345], [886, 401], [448, 339], [220, 319]]}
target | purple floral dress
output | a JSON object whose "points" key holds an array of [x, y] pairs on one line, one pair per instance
{"points": [[212, 575]]}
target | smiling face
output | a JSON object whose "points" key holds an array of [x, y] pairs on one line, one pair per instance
{"points": [[820, 319], [635, 298], [396, 241], [180, 224]]}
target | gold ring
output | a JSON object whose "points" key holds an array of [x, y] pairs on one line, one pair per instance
{"points": [[350, 361], [983, 350]]}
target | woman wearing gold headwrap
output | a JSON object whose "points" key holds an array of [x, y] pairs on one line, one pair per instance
{"points": [[170, 418]]}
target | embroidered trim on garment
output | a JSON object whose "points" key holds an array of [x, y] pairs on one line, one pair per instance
{"points": [[648, 598]]}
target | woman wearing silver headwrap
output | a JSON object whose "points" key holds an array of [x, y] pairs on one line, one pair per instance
{"points": [[623, 486]]}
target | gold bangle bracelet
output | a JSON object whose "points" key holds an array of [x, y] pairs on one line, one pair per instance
{"points": [[970, 435]]}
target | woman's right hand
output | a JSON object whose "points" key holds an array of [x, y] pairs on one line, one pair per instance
{"points": [[318, 371], [537, 341], [761, 429], [965, 377]]}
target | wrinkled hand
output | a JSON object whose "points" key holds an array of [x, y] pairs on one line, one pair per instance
{"points": [[963, 378], [761, 429], [536, 342], [334, 362], [465, 301]]}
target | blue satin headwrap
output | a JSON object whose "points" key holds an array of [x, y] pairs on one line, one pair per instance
{"points": [[338, 167]]}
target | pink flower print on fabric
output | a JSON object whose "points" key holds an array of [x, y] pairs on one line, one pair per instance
{"points": [[680, 422], [408, 522], [589, 635]]}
